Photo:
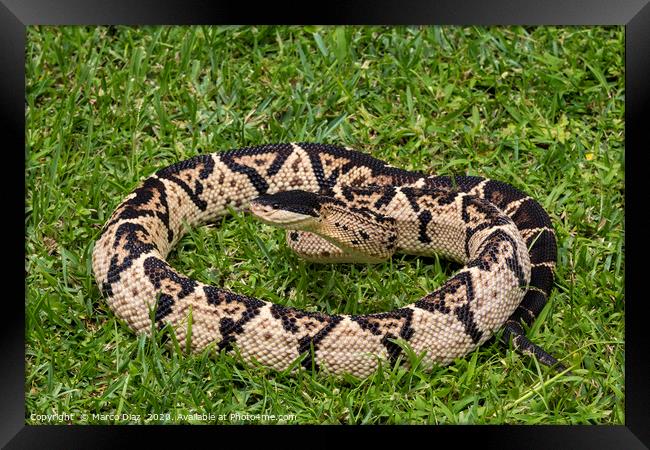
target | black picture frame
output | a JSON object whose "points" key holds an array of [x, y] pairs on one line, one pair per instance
{"points": [[15, 15]]}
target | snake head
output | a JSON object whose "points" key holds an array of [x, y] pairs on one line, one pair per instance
{"points": [[293, 209]]}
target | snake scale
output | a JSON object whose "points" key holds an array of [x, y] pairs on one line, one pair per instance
{"points": [[503, 237]]}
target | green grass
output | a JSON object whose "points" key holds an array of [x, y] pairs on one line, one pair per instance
{"points": [[540, 108]]}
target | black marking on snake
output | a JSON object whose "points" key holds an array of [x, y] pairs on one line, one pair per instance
{"points": [[257, 180], [376, 217], [140, 205], [530, 214], [501, 194], [488, 217], [158, 270], [489, 255], [512, 262], [469, 232], [445, 197], [163, 308], [107, 289], [459, 183], [543, 247], [466, 316], [541, 277], [412, 196], [363, 195], [306, 343], [392, 348], [347, 193], [441, 196], [229, 328], [283, 153], [133, 246], [388, 195], [424, 218], [431, 303], [289, 316], [379, 323], [487, 212], [207, 166], [351, 193], [324, 183], [437, 300]]}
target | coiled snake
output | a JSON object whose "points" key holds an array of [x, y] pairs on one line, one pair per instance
{"points": [[342, 205]]}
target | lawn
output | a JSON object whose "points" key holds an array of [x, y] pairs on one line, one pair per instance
{"points": [[540, 108]]}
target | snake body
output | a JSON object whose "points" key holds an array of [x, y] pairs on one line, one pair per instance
{"points": [[503, 237]]}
